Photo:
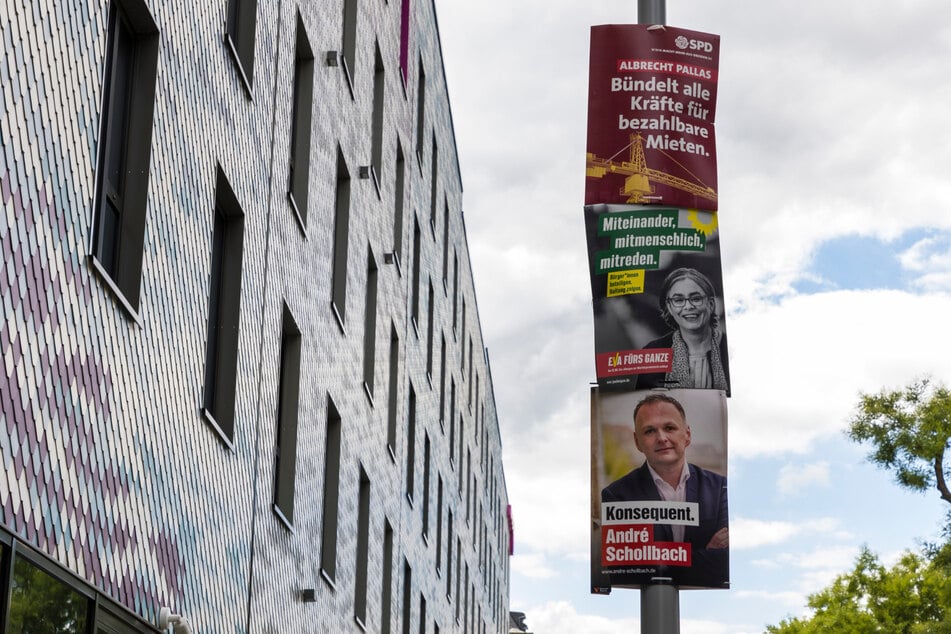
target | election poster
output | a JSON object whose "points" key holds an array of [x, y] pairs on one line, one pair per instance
{"points": [[657, 298], [652, 97], [659, 507]]}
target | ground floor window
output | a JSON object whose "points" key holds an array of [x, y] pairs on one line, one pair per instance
{"points": [[43, 598]]}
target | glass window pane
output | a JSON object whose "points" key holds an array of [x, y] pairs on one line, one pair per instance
{"points": [[42, 604]]}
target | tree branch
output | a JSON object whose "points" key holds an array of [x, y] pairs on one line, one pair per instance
{"points": [[940, 482]]}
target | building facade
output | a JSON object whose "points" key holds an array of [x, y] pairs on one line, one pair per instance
{"points": [[243, 375]]}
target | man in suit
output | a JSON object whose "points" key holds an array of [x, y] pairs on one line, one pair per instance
{"points": [[662, 434]]}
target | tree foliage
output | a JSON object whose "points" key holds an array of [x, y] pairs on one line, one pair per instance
{"points": [[911, 597], [909, 430]]}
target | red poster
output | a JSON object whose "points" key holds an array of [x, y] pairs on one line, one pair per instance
{"points": [[651, 109]]}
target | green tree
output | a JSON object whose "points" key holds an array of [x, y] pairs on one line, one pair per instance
{"points": [[909, 430], [912, 597]]}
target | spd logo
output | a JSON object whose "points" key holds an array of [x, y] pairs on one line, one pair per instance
{"points": [[694, 45]]}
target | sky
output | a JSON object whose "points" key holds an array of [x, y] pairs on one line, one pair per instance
{"points": [[834, 165]]}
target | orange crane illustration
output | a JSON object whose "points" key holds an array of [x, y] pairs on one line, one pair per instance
{"points": [[637, 185]]}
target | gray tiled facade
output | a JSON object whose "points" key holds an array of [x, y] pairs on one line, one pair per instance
{"points": [[110, 473]]}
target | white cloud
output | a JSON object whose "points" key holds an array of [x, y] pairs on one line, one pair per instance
{"points": [[561, 617], [794, 479], [747, 533], [532, 565], [797, 367]]}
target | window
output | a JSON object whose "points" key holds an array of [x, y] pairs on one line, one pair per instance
{"points": [[431, 308], [224, 304], [404, 40], [442, 383], [420, 110], [462, 340], [426, 464], [350, 40], [39, 602], [328, 551], [341, 240], [376, 136], [434, 185], [125, 139], [411, 445], [407, 596], [242, 15], [422, 614], [363, 549], [452, 420], [299, 178], [394, 389], [369, 325], [449, 555], [416, 262], [40, 596], [398, 197], [438, 523], [445, 245], [455, 289], [386, 599], [285, 451]]}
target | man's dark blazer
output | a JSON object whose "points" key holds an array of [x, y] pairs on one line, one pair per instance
{"points": [[710, 566]]}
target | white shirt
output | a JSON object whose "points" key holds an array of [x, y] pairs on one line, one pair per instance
{"points": [[673, 494]]}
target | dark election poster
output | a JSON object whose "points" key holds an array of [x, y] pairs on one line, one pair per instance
{"points": [[657, 298], [652, 96]]}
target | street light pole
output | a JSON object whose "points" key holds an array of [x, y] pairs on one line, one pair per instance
{"points": [[660, 599]]}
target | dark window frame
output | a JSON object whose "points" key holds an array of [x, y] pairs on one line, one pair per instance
{"points": [[240, 31], [120, 202], [302, 103], [224, 309], [285, 441]]}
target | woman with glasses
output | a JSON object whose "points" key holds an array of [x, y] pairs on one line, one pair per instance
{"points": [[688, 305]]}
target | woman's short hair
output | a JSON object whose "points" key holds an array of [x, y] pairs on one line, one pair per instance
{"points": [[685, 273]]}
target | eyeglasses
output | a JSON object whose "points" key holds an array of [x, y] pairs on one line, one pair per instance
{"points": [[696, 300]]}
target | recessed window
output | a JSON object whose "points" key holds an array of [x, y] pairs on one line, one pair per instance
{"points": [[445, 244], [224, 307], [442, 383], [455, 290], [394, 388], [242, 17], [434, 185], [285, 450], [303, 100], [328, 551], [376, 134], [404, 40], [416, 262], [398, 199], [426, 464], [125, 139], [449, 555], [363, 548], [422, 613], [341, 240], [438, 523], [431, 308], [350, 39], [407, 596], [369, 325], [386, 592], [411, 445], [420, 111]]}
